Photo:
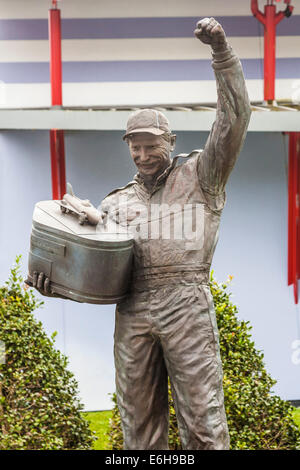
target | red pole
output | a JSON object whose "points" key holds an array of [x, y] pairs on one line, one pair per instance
{"points": [[270, 20], [58, 171], [294, 212], [269, 54], [55, 57], [291, 209], [57, 150]]}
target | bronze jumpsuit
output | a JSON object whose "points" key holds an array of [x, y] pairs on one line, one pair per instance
{"points": [[167, 324]]}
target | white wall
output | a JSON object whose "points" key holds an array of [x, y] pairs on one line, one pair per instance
{"points": [[141, 53], [252, 245]]}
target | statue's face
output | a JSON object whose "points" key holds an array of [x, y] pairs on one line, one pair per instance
{"points": [[150, 153]]}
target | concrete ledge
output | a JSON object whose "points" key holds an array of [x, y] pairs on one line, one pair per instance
{"points": [[181, 120]]}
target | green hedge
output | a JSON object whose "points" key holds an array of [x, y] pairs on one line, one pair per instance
{"points": [[257, 419], [39, 408]]}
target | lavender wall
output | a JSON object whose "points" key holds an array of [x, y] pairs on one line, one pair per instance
{"points": [[252, 246]]}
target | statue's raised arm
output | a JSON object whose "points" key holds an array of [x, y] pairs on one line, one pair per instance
{"points": [[233, 110]]}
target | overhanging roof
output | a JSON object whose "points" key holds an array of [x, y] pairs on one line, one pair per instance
{"points": [[278, 117]]}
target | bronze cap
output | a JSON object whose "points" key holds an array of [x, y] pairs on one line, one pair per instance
{"points": [[147, 120]]}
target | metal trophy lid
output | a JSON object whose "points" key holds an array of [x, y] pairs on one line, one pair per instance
{"points": [[49, 217]]}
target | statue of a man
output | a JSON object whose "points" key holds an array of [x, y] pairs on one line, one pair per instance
{"points": [[166, 327]]}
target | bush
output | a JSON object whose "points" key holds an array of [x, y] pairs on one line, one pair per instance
{"points": [[39, 408], [257, 419]]}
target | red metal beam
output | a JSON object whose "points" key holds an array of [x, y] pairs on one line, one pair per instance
{"points": [[269, 52], [270, 19], [55, 56], [294, 212], [58, 171], [57, 150]]}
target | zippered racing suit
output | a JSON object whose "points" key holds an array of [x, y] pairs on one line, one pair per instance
{"points": [[166, 326]]}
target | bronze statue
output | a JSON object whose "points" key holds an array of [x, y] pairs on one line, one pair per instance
{"points": [[166, 326]]}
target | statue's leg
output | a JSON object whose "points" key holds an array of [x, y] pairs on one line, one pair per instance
{"points": [[191, 349], [141, 382]]}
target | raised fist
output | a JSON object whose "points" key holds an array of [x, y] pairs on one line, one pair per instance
{"points": [[209, 31]]}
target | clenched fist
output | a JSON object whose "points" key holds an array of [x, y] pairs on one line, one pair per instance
{"points": [[209, 31]]}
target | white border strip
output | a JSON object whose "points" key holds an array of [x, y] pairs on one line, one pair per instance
{"points": [[140, 49], [11, 9], [137, 93]]}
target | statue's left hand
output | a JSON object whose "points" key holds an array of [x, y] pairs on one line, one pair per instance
{"points": [[84, 208], [209, 31]]}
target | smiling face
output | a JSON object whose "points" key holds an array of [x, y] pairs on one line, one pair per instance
{"points": [[151, 154]]}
